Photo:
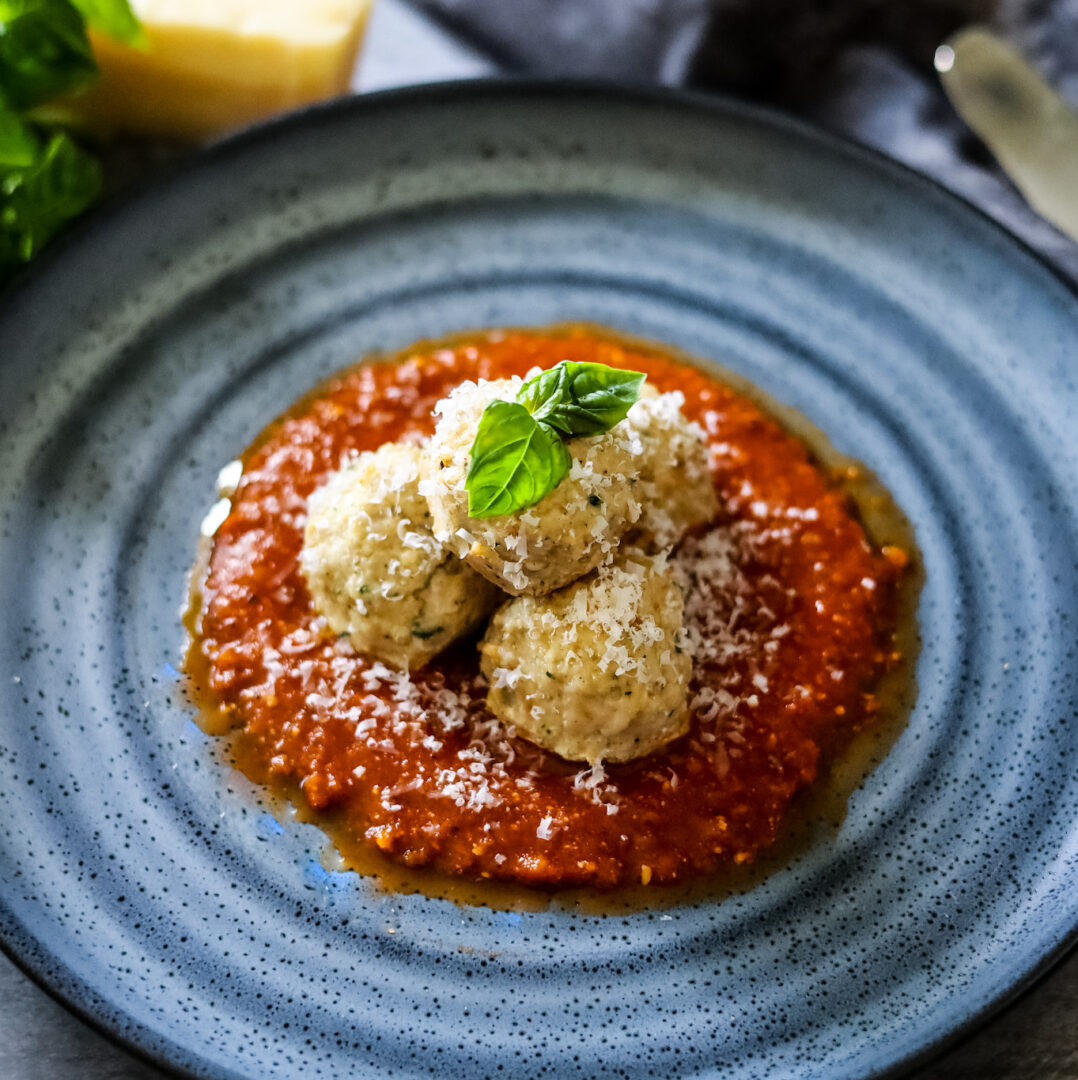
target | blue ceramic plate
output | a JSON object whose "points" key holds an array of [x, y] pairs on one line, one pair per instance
{"points": [[140, 881]]}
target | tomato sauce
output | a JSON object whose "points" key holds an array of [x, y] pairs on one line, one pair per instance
{"points": [[799, 626]]}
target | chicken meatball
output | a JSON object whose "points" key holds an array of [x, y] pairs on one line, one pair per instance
{"points": [[598, 671], [568, 533], [676, 489], [374, 568]]}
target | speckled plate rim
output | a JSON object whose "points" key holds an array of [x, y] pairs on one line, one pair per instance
{"points": [[30, 955]]}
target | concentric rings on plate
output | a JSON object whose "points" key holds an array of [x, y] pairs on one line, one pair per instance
{"points": [[144, 886]]}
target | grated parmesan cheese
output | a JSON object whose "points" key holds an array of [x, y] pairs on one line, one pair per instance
{"points": [[572, 530], [374, 568], [601, 667]]}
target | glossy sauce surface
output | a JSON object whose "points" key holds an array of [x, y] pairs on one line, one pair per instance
{"points": [[798, 614]]}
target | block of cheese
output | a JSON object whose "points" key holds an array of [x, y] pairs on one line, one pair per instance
{"points": [[213, 65]]}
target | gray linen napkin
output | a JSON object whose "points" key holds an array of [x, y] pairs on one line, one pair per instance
{"points": [[862, 68]]}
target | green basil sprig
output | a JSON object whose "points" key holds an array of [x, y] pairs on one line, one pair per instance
{"points": [[515, 461], [114, 19], [581, 399], [519, 454], [19, 146], [40, 198], [46, 178], [44, 50]]}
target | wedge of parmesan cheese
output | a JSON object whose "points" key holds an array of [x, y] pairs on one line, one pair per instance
{"points": [[213, 65]]}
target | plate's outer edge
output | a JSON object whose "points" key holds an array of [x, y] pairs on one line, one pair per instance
{"points": [[918, 335]]}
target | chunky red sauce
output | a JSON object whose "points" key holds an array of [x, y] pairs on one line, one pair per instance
{"points": [[799, 627]]}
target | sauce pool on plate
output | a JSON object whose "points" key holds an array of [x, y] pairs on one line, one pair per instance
{"points": [[793, 609]]}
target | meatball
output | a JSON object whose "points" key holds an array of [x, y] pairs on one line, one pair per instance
{"points": [[676, 489], [598, 671], [566, 534], [374, 568]]}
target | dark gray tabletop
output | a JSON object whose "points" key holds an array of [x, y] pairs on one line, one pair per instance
{"points": [[1036, 1037]]}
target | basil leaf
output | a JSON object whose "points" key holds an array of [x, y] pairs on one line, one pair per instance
{"points": [[44, 50], [581, 399], [545, 390], [37, 201], [515, 461], [114, 18], [19, 146]]}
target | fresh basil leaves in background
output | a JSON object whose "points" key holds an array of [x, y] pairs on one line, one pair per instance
{"points": [[39, 197], [114, 18], [519, 455], [44, 50], [46, 178]]}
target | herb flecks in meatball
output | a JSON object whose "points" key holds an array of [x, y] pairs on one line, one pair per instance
{"points": [[598, 671], [568, 533], [374, 568]]}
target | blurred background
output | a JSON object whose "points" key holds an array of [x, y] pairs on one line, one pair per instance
{"points": [[867, 69], [977, 93]]}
